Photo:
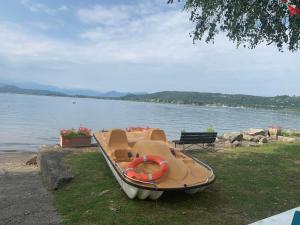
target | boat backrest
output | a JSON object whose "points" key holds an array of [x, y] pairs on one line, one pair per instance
{"points": [[117, 139], [156, 135]]}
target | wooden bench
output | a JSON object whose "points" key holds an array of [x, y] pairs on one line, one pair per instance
{"points": [[196, 138]]}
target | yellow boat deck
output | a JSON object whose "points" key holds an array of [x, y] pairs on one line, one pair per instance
{"points": [[122, 147]]}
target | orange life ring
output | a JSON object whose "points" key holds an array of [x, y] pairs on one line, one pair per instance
{"points": [[131, 173]]}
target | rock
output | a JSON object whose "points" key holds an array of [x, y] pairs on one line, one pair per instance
{"points": [[114, 209], [27, 212], [103, 192], [32, 161], [52, 168], [210, 145], [259, 137], [227, 144], [254, 144], [256, 138], [249, 144], [286, 139], [246, 143], [233, 136], [297, 138], [280, 138], [263, 140], [255, 132], [247, 137], [218, 139], [236, 144]]}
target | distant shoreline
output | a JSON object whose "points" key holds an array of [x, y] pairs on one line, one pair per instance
{"points": [[284, 102], [215, 106], [179, 98]]}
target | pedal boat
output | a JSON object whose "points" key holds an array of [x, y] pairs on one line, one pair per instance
{"points": [[177, 171]]}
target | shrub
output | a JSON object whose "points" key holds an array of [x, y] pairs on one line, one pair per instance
{"points": [[72, 133], [210, 129], [287, 133]]}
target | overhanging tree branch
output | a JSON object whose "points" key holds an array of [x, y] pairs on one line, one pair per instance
{"points": [[247, 22]]}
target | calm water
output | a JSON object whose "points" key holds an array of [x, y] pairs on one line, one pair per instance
{"points": [[29, 121]]}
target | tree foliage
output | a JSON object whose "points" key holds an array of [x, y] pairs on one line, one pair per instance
{"points": [[217, 99], [246, 22]]}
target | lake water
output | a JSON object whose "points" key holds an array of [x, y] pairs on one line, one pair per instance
{"points": [[27, 122]]}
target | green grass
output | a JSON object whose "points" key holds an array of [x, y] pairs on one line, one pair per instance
{"points": [[252, 183]]}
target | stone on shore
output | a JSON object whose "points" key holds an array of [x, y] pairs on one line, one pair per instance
{"points": [[236, 144], [247, 137], [32, 161], [263, 140], [286, 139], [249, 144], [228, 144], [233, 136], [255, 132], [53, 169]]}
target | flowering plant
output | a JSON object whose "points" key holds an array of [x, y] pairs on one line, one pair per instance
{"points": [[130, 129], [72, 133], [275, 130], [275, 127]]}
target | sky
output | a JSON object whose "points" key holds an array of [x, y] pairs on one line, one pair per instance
{"points": [[131, 46]]}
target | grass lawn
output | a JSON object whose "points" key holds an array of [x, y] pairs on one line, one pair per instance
{"points": [[252, 183]]}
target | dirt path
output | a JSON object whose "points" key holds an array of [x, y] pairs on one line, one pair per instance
{"points": [[23, 198]]}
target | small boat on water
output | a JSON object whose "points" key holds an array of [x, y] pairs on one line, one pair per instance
{"points": [[146, 165]]}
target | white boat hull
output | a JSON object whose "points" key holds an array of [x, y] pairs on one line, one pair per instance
{"points": [[131, 191], [140, 193]]}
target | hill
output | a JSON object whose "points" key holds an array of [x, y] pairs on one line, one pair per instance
{"points": [[16, 90], [72, 91], [42, 89], [217, 99], [176, 97]]}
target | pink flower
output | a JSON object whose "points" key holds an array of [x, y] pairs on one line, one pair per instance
{"points": [[81, 131], [130, 129], [275, 127]]}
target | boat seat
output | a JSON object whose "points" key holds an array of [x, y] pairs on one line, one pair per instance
{"points": [[156, 135], [117, 139]]}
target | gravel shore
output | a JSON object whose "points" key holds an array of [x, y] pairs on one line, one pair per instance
{"points": [[23, 197]]}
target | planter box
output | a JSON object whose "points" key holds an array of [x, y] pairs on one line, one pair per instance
{"points": [[76, 142], [274, 132]]}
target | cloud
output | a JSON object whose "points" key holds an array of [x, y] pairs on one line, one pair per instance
{"points": [[39, 25], [143, 33], [145, 42], [121, 14], [155, 35], [39, 7], [104, 15], [147, 36], [19, 44], [63, 8]]}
